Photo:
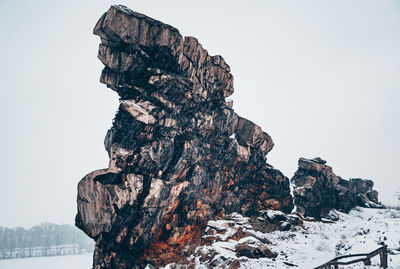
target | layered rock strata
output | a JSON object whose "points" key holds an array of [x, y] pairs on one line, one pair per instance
{"points": [[179, 154], [317, 190]]}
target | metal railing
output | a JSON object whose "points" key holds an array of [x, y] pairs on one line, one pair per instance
{"points": [[334, 263]]}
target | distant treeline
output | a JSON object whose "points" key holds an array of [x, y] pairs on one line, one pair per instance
{"points": [[46, 239]]}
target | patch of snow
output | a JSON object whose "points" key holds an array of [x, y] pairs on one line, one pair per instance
{"points": [[272, 214]]}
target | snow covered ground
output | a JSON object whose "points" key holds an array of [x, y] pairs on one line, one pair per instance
{"points": [[55, 262], [361, 231]]}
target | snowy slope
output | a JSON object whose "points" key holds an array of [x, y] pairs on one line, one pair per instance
{"points": [[361, 231]]}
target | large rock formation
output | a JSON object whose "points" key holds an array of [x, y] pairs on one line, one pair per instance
{"points": [[179, 154], [317, 190]]}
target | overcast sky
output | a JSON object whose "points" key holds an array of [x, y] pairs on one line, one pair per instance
{"points": [[321, 77]]}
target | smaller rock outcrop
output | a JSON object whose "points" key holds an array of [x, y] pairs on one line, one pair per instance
{"points": [[317, 190]]}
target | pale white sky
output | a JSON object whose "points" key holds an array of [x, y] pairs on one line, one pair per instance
{"points": [[321, 77]]}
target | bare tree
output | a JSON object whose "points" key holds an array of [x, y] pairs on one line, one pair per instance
{"points": [[42, 240]]}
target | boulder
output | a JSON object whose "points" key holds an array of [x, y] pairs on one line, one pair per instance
{"points": [[253, 249]]}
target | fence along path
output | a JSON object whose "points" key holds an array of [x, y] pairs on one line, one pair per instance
{"points": [[365, 258], [16, 253]]}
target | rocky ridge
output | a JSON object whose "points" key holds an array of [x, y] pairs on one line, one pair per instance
{"points": [[179, 154], [186, 173]]}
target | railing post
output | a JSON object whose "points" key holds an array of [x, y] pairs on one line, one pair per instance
{"points": [[383, 255]]}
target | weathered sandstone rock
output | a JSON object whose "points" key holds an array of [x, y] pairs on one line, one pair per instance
{"points": [[174, 164], [317, 190]]}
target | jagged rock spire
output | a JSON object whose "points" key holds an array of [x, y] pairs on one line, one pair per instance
{"points": [[174, 162]]}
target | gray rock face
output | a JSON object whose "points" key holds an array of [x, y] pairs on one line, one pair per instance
{"points": [[174, 164], [317, 190]]}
